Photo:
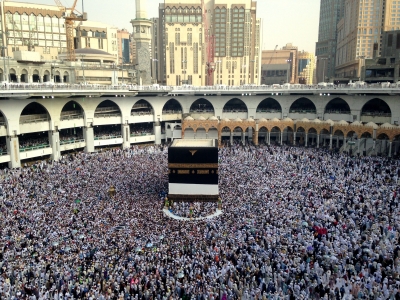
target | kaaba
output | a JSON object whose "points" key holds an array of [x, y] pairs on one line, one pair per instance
{"points": [[193, 170]]}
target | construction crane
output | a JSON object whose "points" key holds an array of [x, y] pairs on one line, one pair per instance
{"points": [[71, 15], [273, 54], [209, 45]]}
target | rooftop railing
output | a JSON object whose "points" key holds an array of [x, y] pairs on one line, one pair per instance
{"points": [[107, 137], [36, 147], [33, 118], [71, 141]]}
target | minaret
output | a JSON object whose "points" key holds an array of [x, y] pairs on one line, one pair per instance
{"points": [[142, 36]]}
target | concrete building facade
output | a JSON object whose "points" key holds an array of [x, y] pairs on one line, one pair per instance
{"points": [[359, 34], [32, 27], [330, 14], [234, 38], [386, 67], [279, 66], [306, 67], [97, 35]]}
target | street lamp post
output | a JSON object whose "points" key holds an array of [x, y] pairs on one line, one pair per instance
{"points": [[288, 70], [323, 69]]}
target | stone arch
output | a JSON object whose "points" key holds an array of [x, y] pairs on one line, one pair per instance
{"points": [[376, 107], [172, 105], [34, 111], [337, 106], [189, 133], [275, 133], [46, 76], [12, 74], [269, 105], [35, 76], [202, 105], [366, 134], [142, 107], [3, 119], [72, 110], [3, 75], [235, 105], [263, 134], [338, 132], [66, 77], [300, 129], [107, 108], [351, 134], [382, 136], [57, 76], [312, 129], [201, 132], [303, 105], [24, 76]]}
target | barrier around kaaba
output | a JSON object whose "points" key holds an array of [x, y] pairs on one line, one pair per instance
{"points": [[193, 170]]}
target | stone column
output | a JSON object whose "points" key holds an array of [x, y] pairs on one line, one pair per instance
{"points": [[255, 138], [54, 141], [306, 141], [250, 135], [126, 135], [294, 138], [374, 146], [330, 141], [13, 150], [358, 145], [243, 137], [281, 138], [88, 135], [231, 137], [390, 148], [157, 133], [269, 137], [317, 140]]}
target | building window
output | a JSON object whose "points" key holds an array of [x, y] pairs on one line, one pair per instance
{"points": [[398, 41], [390, 40]]}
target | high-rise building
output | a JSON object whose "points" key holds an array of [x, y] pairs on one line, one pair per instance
{"points": [[227, 53], [123, 40], [32, 27], [359, 34], [329, 16], [96, 35], [279, 66], [306, 67], [155, 48]]}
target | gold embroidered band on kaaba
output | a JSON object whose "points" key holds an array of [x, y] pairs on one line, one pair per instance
{"points": [[192, 166]]}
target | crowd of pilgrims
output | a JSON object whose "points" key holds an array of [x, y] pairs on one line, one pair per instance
{"points": [[194, 210], [297, 223]]}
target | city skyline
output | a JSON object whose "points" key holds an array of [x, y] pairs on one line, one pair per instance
{"points": [[297, 21]]}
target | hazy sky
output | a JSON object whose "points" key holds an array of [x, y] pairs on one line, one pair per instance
{"points": [[285, 21]]}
